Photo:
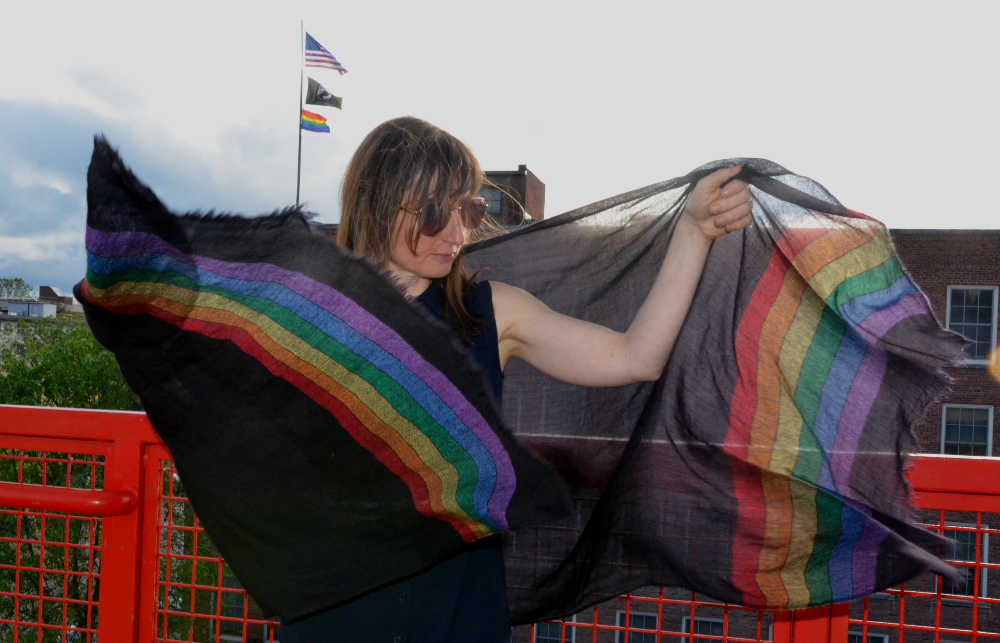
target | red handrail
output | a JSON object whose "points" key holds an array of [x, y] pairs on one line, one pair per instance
{"points": [[76, 501]]}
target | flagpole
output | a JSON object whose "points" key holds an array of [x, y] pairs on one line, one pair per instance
{"points": [[302, 73]]}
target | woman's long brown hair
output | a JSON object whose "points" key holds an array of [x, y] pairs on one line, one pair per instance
{"points": [[409, 163]]}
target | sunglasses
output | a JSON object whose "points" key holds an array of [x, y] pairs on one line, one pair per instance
{"points": [[472, 213]]}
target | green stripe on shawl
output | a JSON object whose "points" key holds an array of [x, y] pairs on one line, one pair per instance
{"points": [[828, 529], [809, 390], [878, 278]]}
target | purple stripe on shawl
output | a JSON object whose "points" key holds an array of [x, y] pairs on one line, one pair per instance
{"points": [[864, 390], [864, 562], [126, 244]]}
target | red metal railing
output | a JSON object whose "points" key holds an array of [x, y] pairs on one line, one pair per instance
{"points": [[98, 541]]}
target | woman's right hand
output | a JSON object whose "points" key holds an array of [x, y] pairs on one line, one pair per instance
{"points": [[715, 209]]}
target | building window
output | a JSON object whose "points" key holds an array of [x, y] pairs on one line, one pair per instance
{"points": [[965, 550], [493, 197], [967, 430], [710, 626], [553, 632], [858, 637], [972, 311], [637, 620]]}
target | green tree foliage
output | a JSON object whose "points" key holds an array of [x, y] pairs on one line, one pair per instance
{"points": [[15, 288], [59, 363]]}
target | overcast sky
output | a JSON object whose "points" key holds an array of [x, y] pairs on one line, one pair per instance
{"points": [[892, 106]]}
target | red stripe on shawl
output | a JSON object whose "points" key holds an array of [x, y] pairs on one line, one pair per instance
{"points": [[348, 420]]}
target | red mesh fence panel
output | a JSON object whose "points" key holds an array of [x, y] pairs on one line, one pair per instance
{"points": [[49, 562], [197, 597], [933, 610]]}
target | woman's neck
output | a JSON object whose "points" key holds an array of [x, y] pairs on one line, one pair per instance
{"points": [[413, 285]]}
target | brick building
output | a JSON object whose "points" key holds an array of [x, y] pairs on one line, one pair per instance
{"points": [[514, 197]]}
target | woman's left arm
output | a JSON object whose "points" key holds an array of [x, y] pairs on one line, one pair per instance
{"points": [[587, 354]]}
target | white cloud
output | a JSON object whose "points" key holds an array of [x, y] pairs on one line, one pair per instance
{"points": [[24, 177], [54, 246]]}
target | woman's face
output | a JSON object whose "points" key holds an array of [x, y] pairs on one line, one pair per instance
{"points": [[434, 254]]}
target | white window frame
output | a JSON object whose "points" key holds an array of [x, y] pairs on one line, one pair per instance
{"points": [[984, 551], [989, 432], [620, 635], [993, 335], [884, 637], [686, 627], [570, 631]]}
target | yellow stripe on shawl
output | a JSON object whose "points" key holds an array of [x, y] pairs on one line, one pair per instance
{"points": [[802, 495], [803, 534], [793, 355], [774, 547]]}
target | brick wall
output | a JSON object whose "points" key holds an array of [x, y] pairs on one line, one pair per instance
{"points": [[937, 259], [521, 189]]}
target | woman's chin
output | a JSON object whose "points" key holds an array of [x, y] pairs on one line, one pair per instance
{"points": [[436, 268]]}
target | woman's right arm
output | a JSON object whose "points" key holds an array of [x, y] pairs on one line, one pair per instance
{"points": [[586, 354]]}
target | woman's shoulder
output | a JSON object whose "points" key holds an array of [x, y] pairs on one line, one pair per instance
{"points": [[512, 305], [506, 295]]}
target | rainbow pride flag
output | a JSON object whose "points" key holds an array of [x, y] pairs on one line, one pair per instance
{"points": [[314, 122]]}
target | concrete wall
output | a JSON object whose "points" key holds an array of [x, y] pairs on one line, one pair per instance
{"points": [[31, 309]]}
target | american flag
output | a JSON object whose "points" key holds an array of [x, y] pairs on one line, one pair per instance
{"points": [[318, 56]]}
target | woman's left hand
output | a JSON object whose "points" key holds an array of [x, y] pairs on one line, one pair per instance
{"points": [[714, 209]]}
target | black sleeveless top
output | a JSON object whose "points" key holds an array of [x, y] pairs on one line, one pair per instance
{"points": [[483, 347], [459, 599]]}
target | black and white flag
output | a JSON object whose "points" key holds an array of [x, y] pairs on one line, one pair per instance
{"points": [[318, 95]]}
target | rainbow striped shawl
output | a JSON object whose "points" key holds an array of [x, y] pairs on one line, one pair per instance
{"points": [[332, 439]]}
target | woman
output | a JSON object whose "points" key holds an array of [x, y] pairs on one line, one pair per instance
{"points": [[408, 202]]}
